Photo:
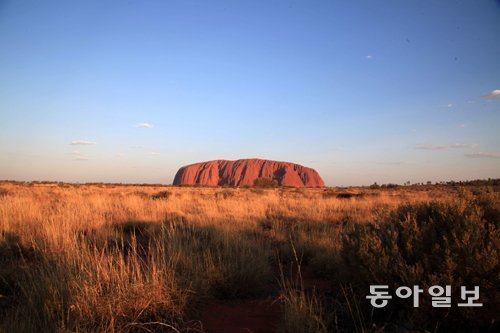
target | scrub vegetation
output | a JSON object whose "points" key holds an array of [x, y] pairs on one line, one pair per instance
{"points": [[150, 258]]}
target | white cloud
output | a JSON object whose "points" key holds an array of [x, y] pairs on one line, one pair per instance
{"points": [[494, 94], [464, 145], [431, 147], [446, 146], [82, 142], [78, 155], [483, 155], [461, 125], [144, 125], [449, 105], [154, 153], [136, 146], [369, 57]]}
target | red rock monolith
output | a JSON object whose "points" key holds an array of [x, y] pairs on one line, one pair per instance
{"points": [[245, 171]]}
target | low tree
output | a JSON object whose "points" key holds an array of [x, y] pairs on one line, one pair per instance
{"points": [[265, 182]]}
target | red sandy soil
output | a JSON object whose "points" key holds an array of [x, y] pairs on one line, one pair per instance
{"points": [[244, 172], [256, 316]]}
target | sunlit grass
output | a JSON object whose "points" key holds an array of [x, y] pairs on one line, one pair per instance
{"points": [[111, 258]]}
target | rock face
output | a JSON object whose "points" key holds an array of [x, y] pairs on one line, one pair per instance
{"points": [[244, 172]]}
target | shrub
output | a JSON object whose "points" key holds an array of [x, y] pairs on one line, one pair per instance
{"points": [[4, 192], [390, 185], [141, 194], [265, 182], [348, 195], [429, 244], [224, 194], [161, 195], [327, 193]]}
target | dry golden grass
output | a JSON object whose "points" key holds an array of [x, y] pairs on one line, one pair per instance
{"points": [[117, 258]]}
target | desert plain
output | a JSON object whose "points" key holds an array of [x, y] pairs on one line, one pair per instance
{"points": [[151, 258]]}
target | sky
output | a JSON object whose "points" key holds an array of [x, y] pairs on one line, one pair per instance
{"points": [[361, 91]]}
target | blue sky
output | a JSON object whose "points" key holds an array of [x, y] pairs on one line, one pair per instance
{"points": [[362, 91]]}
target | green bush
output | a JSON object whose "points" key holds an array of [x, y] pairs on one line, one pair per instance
{"points": [[265, 182], [429, 244]]}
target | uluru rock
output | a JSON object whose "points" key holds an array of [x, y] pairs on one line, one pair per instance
{"points": [[245, 171]]}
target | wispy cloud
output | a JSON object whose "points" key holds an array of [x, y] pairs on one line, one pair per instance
{"points": [[369, 57], [136, 146], [483, 155], [144, 125], [82, 142], [120, 155], [464, 145], [461, 125], [78, 156], [494, 94], [449, 105], [154, 153], [446, 146]]}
